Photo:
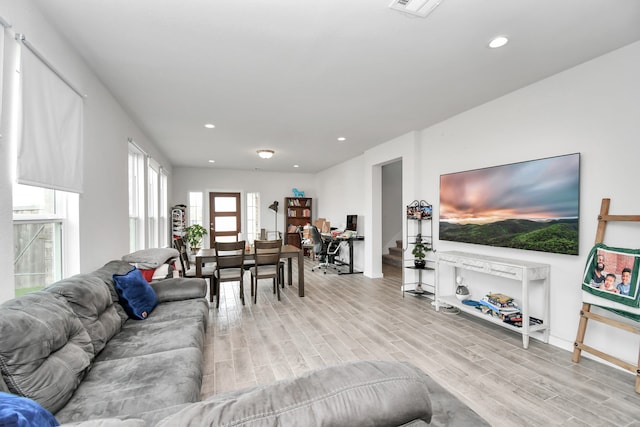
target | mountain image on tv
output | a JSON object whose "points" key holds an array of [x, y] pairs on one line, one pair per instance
{"points": [[559, 236], [530, 205]]}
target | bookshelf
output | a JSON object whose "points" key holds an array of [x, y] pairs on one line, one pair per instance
{"points": [[297, 215]]}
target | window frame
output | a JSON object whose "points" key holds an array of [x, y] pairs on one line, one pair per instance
{"points": [[136, 171], [65, 245]]}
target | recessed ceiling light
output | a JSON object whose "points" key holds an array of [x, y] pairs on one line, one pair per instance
{"points": [[209, 126], [498, 41], [342, 139], [212, 161], [265, 154], [296, 166]]}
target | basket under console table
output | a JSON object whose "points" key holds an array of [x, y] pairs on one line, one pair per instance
{"points": [[522, 271]]}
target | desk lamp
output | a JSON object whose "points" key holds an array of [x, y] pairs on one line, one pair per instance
{"points": [[274, 208]]}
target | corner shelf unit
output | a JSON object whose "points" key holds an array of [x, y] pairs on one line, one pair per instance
{"points": [[418, 281], [178, 221], [521, 271], [297, 215]]}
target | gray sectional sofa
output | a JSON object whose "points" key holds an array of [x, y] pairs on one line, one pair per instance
{"points": [[73, 349]]}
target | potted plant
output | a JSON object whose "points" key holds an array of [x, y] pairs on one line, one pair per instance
{"points": [[419, 251], [194, 234]]}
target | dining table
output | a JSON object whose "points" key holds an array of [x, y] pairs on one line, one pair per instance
{"points": [[290, 252]]}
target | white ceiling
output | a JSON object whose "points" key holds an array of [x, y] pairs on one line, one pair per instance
{"points": [[293, 75]]}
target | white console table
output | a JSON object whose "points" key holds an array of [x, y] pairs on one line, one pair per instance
{"points": [[522, 271]]}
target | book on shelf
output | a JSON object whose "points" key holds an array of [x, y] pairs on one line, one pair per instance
{"points": [[501, 300], [516, 320], [501, 309]]}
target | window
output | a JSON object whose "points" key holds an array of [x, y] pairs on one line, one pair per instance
{"points": [[153, 193], [195, 208], [253, 217], [136, 198], [44, 236], [163, 226], [148, 195]]}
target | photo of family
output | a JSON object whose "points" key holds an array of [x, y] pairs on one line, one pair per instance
{"points": [[419, 210], [612, 271]]}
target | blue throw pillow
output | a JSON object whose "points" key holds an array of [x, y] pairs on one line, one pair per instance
{"points": [[16, 411], [137, 297]]}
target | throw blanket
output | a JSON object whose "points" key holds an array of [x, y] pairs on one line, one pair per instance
{"points": [[16, 411], [610, 280], [151, 258]]}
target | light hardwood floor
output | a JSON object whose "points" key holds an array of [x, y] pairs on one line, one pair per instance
{"points": [[351, 317]]}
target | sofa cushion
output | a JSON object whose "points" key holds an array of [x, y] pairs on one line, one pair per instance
{"points": [[151, 258], [17, 411], [382, 393], [90, 299], [136, 295], [105, 273], [47, 363], [138, 338], [179, 289], [133, 386]]}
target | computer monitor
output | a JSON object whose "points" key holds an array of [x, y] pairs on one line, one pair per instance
{"points": [[352, 223]]}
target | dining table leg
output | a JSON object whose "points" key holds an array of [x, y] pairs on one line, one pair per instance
{"points": [[300, 273]]}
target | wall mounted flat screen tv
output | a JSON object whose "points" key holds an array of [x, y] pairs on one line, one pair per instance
{"points": [[532, 205]]}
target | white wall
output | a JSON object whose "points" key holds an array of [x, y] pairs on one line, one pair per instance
{"points": [[340, 192], [271, 186], [104, 226], [593, 109]]}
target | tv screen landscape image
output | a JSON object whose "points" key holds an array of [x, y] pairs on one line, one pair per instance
{"points": [[532, 205]]}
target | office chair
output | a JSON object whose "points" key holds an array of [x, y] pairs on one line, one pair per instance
{"points": [[325, 250]]}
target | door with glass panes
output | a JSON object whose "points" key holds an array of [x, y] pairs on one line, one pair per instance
{"points": [[225, 217]]}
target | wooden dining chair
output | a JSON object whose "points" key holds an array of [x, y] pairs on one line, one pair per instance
{"points": [[267, 265], [229, 266], [189, 270]]}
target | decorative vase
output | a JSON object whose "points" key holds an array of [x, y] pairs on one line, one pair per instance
{"points": [[462, 292], [419, 263]]}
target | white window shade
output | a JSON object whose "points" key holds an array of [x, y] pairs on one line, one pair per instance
{"points": [[50, 148]]}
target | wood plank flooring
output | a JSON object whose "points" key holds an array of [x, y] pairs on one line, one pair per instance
{"points": [[351, 317]]}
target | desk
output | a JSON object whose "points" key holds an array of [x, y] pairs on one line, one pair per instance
{"points": [[288, 251], [349, 241]]}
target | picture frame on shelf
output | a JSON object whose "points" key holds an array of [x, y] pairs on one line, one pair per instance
{"points": [[419, 209]]}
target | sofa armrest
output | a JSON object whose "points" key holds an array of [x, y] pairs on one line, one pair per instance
{"points": [[382, 393], [179, 288]]}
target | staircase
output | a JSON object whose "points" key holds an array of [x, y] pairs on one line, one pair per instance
{"points": [[394, 257]]}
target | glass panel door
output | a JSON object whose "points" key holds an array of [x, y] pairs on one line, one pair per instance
{"points": [[225, 216]]}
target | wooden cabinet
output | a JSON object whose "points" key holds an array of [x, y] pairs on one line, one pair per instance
{"points": [[297, 215]]}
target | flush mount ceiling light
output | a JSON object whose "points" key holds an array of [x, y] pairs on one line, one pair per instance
{"points": [[342, 139], [209, 126], [420, 8], [498, 41], [265, 154]]}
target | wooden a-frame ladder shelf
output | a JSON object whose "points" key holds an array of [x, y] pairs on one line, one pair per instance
{"points": [[586, 314]]}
